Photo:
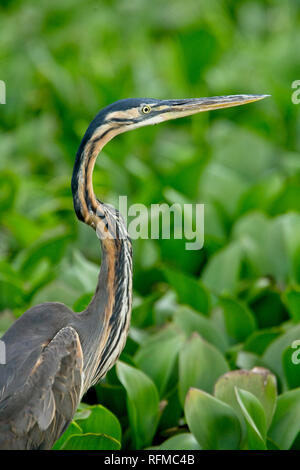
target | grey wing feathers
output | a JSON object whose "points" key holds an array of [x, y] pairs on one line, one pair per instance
{"points": [[35, 416]]}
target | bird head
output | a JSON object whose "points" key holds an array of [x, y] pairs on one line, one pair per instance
{"points": [[129, 114], [133, 113]]}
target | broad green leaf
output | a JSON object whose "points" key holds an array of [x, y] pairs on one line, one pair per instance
{"points": [[190, 322], [142, 314], [8, 189], [272, 357], [200, 365], [258, 381], [189, 290], [90, 441], [269, 309], [223, 185], [258, 152], [292, 300], [82, 303], [252, 231], [23, 229], [288, 198], [172, 412], [6, 320], [11, 294], [214, 226], [83, 411], [184, 441], [165, 307], [240, 322], [277, 236], [286, 422], [213, 423], [290, 226], [255, 419], [222, 271], [290, 363], [112, 396], [100, 421], [56, 291], [157, 356], [72, 429], [80, 274], [51, 247], [260, 195], [271, 445], [259, 340], [142, 404], [247, 360]]}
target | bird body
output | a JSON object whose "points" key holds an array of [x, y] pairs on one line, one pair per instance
{"points": [[54, 355], [52, 361]]}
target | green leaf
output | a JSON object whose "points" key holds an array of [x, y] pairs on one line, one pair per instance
{"points": [[112, 396], [82, 303], [247, 360], [258, 381], [255, 418], [190, 322], [184, 441], [56, 291], [7, 318], [213, 423], [252, 231], [223, 185], [292, 300], [286, 422], [269, 309], [8, 189], [259, 340], [290, 226], [90, 441], [200, 365], [222, 271], [80, 274], [51, 247], [272, 357], [100, 421], [23, 229], [260, 194], [290, 363], [189, 290], [172, 412], [157, 355], [240, 322], [72, 429], [142, 404], [271, 445], [142, 314], [11, 294], [95, 428]]}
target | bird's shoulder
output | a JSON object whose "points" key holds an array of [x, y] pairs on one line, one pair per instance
{"points": [[25, 340], [34, 411]]}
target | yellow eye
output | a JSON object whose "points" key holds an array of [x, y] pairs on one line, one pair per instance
{"points": [[146, 109]]}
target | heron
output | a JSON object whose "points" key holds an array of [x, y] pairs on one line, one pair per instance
{"points": [[53, 355]]}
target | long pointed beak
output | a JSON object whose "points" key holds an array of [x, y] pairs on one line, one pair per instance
{"points": [[172, 109]]}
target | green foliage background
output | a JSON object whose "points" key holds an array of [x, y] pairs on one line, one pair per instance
{"points": [[197, 314]]}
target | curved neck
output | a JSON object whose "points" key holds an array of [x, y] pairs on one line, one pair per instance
{"points": [[108, 313], [84, 200]]}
